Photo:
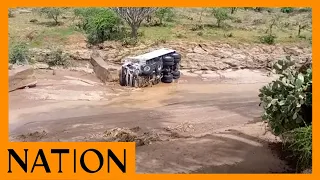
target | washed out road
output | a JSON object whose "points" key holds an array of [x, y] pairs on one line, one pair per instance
{"points": [[218, 122]]}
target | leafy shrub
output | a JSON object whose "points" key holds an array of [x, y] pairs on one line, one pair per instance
{"points": [[299, 143], [128, 41], [164, 14], [100, 24], [268, 39], [19, 54], [196, 27], [57, 58], [221, 15], [287, 101], [51, 13], [287, 10]]}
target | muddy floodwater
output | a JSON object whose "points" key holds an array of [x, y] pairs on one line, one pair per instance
{"points": [[207, 122]]}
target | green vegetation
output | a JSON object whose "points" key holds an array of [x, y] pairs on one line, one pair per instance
{"points": [[287, 103], [57, 58], [195, 24], [159, 25], [221, 15], [100, 24], [51, 13], [18, 54], [164, 14], [287, 10]]}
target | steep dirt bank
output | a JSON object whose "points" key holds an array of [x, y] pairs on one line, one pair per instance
{"points": [[197, 56]]}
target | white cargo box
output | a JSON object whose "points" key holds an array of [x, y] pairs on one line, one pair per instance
{"points": [[150, 55]]}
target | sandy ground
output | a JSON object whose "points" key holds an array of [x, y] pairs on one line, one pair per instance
{"points": [[213, 119]]}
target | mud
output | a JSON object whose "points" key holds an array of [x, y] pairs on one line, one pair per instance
{"points": [[190, 126]]}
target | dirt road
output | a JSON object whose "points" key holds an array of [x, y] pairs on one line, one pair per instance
{"points": [[215, 118]]}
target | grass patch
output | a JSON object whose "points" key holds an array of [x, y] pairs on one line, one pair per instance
{"points": [[299, 142], [56, 36]]}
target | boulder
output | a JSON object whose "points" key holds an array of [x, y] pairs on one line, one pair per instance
{"points": [[21, 77], [104, 71]]}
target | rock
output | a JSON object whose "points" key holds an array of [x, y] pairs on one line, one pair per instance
{"points": [[293, 51], [105, 72], [41, 66], [10, 66], [21, 77], [83, 54], [240, 57], [24, 11], [231, 62], [224, 53]]}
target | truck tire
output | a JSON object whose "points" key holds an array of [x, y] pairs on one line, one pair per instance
{"points": [[147, 70], [176, 74], [168, 78], [168, 61], [158, 68], [176, 57], [122, 77]]}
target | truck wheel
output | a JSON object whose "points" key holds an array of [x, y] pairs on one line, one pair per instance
{"points": [[176, 74], [158, 67], [147, 70], [168, 78], [121, 77], [168, 61], [177, 57], [166, 71]]}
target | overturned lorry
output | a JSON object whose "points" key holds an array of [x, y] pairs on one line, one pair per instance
{"points": [[161, 65]]}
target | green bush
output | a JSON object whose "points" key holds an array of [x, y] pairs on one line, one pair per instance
{"points": [[268, 39], [100, 24], [19, 54], [164, 14], [51, 13], [287, 10], [57, 58], [287, 100], [299, 143], [221, 14], [287, 103]]}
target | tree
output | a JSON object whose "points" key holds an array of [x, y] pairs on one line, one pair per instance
{"points": [[100, 24], [134, 17], [51, 13], [303, 22], [221, 15], [163, 13]]}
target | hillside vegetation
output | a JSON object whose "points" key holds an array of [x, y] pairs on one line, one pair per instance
{"points": [[45, 27]]}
